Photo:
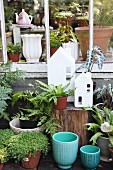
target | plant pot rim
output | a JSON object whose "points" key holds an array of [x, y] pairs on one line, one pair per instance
{"points": [[95, 28]]}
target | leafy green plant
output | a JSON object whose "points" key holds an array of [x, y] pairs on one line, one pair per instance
{"points": [[3, 154], [103, 125], [54, 40], [66, 34], [5, 135], [12, 48], [27, 142], [7, 78], [36, 107], [52, 92], [105, 93]]}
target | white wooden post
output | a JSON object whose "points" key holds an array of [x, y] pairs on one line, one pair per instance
{"points": [[46, 11], [90, 24], [3, 33]]}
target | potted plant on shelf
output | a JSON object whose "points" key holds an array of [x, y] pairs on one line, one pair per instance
{"points": [[102, 130], [102, 28], [54, 42], [14, 52], [56, 94], [27, 147]]}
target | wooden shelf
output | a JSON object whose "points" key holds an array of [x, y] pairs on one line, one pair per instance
{"points": [[73, 119]]}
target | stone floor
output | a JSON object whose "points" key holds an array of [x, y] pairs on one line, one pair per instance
{"points": [[47, 163]]}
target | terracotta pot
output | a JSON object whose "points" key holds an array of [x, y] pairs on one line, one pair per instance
{"points": [[101, 38], [13, 57], [32, 161], [52, 51], [82, 22], [61, 103], [1, 166]]}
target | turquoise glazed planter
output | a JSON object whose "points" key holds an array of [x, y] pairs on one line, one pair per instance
{"points": [[65, 148], [90, 156]]}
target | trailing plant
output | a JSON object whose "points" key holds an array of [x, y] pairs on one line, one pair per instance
{"points": [[27, 142], [103, 125]]}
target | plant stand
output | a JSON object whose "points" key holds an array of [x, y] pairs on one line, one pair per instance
{"points": [[73, 119]]}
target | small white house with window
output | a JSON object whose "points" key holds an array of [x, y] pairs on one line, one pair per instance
{"points": [[61, 68], [84, 90]]}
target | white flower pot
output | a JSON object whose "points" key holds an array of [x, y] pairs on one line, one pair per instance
{"points": [[32, 48]]}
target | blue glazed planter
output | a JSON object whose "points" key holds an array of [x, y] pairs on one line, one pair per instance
{"points": [[65, 148], [90, 156]]}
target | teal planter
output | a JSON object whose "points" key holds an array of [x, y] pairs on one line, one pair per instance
{"points": [[90, 156], [65, 148]]}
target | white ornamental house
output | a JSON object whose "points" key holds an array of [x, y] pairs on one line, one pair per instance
{"points": [[61, 67], [84, 90]]}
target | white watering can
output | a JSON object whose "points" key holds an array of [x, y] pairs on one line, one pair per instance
{"points": [[23, 18]]}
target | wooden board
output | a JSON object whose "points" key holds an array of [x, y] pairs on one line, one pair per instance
{"points": [[73, 120]]}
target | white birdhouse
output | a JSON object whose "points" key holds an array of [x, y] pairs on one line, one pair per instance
{"points": [[84, 90], [61, 67]]}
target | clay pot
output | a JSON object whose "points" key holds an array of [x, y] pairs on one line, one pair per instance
{"points": [[13, 57], [101, 38], [1, 166], [31, 161], [61, 103], [52, 51]]}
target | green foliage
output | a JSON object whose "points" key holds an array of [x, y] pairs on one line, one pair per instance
{"points": [[3, 155], [65, 34], [105, 93], [54, 40], [7, 78], [52, 92], [38, 108], [11, 48], [5, 135], [27, 142], [103, 12], [106, 115]]}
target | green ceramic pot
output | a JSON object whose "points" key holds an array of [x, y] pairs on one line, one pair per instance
{"points": [[90, 156], [65, 148]]}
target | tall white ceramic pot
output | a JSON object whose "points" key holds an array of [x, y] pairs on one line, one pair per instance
{"points": [[74, 49], [32, 47]]}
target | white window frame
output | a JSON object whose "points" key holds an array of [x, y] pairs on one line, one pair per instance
{"points": [[35, 70]]}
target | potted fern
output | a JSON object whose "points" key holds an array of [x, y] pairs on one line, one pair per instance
{"points": [[14, 52], [56, 94]]}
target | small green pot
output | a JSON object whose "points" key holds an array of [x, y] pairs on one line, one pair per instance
{"points": [[65, 148], [90, 156]]}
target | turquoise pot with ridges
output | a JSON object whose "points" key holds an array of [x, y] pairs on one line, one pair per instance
{"points": [[65, 148], [90, 156]]}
